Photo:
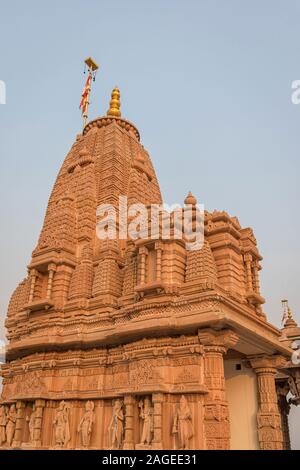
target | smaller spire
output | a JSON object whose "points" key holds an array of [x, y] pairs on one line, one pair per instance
{"points": [[190, 199], [115, 103], [290, 320]]}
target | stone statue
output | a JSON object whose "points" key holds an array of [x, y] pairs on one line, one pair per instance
{"points": [[146, 414], [116, 425], [86, 423], [3, 422], [61, 423], [11, 424], [293, 388], [182, 424], [31, 422]]}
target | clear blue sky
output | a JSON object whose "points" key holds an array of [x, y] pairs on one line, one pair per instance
{"points": [[208, 84]]}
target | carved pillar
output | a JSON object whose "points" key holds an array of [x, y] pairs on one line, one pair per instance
{"points": [[157, 400], [143, 253], [37, 437], [33, 276], [255, 267], [129, 424], [216, 412], [51, 271], [158, 248], [268, 417], [248, 260], [19, 424]]}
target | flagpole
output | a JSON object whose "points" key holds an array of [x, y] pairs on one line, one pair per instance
{"points": [[284, 306], [85, 115], [92, 67]]}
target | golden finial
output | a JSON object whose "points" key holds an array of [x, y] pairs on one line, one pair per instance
{"points": [[115, 104], [290, 322]]}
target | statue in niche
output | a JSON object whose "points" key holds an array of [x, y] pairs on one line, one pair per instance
{"points": [[146, 414], [31, 422], [116, 425], [3, 422], [11, 424], [85, 426], [182, 424], [61, 424]]}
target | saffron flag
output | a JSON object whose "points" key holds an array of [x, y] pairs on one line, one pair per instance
{"points": [[85, 94]]}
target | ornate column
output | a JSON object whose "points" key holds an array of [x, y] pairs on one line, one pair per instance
{"points": [[143, 252], [216, 412], [37, 437], [270, 434], [129, 424], [19, 424], [51, 271], [157, 400], [248, 261], [255, 267], [158, 247], [33, 275]]}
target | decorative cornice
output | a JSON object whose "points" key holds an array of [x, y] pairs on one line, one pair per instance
{"points": [[107, 120]]}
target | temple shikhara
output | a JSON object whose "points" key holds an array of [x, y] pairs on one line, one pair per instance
{"points": [[140, 344]]}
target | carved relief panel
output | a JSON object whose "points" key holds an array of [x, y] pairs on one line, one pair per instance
{"points": [[183, 423]]}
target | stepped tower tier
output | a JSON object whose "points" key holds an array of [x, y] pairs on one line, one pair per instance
{"points": [[122, 329]]}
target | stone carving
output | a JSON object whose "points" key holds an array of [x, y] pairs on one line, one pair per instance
{"points": [[201, 265], [187, 375], [31, 422], [3, 422], [29, 383], [268, 420], [146, 414], [11, 424], [61, 425], [282, 389], [85, 426], [217, 412], [182, 424], [294, 391], [143, 372], [116, 426]]}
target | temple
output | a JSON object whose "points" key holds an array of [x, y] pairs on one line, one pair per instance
{"points": [[140, 344]]}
